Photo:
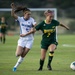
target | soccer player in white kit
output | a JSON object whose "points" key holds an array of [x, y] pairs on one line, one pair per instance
{"points": [[26, 23]]}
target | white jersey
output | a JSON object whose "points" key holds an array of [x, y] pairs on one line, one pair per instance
{"points": [[25, 26]]}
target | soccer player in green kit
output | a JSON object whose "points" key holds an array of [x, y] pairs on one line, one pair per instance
{"points": [[48, 27], [3, 26]]}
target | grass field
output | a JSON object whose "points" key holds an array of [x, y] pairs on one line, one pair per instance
{"points": [[63, 56]]}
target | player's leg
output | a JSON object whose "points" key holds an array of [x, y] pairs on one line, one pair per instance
{"points": [[19, 51], [20, 47], [52, 47], [0, 36], [43, 55], [24, 53], [28, 46], [21, 58], [4, 39], [44, 48]]}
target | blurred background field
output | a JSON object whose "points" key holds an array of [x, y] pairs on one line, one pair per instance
{"points": [[63, 56]]}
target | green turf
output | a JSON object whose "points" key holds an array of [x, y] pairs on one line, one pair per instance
{"points": [[63, 56]]}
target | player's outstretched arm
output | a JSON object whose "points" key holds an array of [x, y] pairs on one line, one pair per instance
{"points": [[64, 26], [33, 30], [13, 11]]}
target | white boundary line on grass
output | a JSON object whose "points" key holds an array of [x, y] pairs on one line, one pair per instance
{"points": [[68, 45]]}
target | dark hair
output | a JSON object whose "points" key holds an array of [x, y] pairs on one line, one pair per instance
{"points": [[21, 8]]}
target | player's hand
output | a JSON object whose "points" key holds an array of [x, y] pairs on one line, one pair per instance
{"points": [[12, 5], [33, 30], [22, 35]]}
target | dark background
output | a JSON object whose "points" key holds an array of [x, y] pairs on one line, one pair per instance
{"points": [[63, 6], [65, 10]]}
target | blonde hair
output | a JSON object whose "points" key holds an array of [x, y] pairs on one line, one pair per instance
{"points": [[47, 11]]}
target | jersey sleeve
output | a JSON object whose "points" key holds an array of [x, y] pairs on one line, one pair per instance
{"points": [[39, 26], [57, 23], [33, 22], [18, 19]]}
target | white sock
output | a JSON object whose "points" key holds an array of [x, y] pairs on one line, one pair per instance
{"points": [[19, 61]]}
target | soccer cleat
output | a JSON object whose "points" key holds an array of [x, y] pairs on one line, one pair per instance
{"points": [[14, 69], [40, 69], [49, 67]]}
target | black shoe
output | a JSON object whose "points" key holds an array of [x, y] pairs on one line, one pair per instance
{"points": [[40, 69], [49, 67]]}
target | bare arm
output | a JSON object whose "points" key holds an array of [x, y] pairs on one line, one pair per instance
{"points": [[64, 26], [13, 14], [33, 30]]}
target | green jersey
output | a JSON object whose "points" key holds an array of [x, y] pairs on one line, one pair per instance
{"points": [[3, 27], [49, 31]]}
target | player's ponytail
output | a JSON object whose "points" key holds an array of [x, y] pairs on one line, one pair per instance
{"points": [[21, 8]]}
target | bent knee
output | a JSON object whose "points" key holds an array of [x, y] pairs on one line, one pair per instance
{"points": [[17, 55]]}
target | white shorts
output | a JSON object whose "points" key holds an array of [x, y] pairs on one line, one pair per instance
{"points": [[25, 42]]}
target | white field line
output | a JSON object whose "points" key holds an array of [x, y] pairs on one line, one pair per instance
{"points": [[68, 45]]}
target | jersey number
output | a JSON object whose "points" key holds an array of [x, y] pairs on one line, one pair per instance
{"points": [[27, 29]]}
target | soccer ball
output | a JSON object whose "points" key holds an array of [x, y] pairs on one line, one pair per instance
{"points": [[72, 65]]}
